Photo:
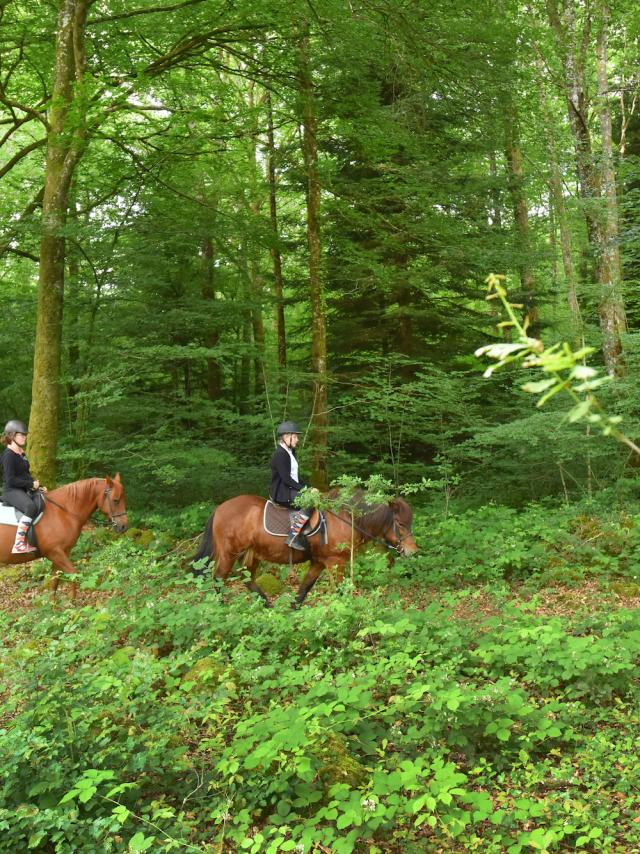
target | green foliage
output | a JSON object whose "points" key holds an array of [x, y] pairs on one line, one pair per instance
{"points": [[566, 369], [167, 714]]}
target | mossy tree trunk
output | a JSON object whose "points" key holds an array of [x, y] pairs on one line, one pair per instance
{"points": [[613, 322], [320, 420], [275, 247], [64, 147], [596, 184]]}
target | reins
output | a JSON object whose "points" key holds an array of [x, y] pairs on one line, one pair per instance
{"points": [[62, 507], [368, 536], [107, 494]]}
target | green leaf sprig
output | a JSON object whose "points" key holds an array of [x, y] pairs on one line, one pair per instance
{"points": [[564, 369]]}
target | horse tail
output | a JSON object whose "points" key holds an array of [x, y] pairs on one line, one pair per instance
{"points": [[207, 546]]}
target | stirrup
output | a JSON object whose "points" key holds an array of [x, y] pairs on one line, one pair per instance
{"points": [[294, 541]]}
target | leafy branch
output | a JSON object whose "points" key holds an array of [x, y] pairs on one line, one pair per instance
{"points": [[565, 369]]}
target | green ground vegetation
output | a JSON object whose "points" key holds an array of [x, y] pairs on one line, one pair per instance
{"points": [[482, 696]]}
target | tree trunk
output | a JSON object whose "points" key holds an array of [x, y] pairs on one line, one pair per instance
{"points": [[275, 247], [594, 182], [211, 336], [515, 164], [559, 207], [496, 214], [612, 312], [64, 147], [255, 276], [320, 420]]}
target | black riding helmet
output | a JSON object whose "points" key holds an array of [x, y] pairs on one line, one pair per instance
{"points": [[288, 427], [15, 426]]}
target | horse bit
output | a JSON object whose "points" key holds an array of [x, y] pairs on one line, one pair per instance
{"points": [[399, 539]]}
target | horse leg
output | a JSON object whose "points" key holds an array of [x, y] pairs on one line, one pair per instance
{"points": [[60, 561], [223, 566], [307, 583], [251, 563]]}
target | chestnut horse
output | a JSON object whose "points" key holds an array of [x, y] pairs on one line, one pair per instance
{"points": [[235, 532], [67, 510]]}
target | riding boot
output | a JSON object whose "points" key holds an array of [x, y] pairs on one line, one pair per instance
{"points": [[21, 546], [297, 524]]}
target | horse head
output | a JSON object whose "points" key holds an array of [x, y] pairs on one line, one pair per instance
{"points": [[113, 504], [400, 534]]}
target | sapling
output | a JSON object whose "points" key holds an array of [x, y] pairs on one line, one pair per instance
{"points": [[564, 369], [351, 495]]}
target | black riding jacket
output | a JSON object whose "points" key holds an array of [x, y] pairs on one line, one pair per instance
{"points": [[15, 471], [283, 487]]}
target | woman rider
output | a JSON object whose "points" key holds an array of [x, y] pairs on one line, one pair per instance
{"points": [[285, 480], [17, 483]]}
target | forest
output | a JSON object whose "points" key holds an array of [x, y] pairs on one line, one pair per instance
{"points": [[413, 228]]}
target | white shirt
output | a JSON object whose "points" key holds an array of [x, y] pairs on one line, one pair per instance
{"points": [[294, 463]]}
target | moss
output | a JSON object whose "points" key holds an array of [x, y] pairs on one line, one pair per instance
{"points": [[142, 536], [626, 589], [146, 538], [337, 765], [270, 584], [12, 574], [207, 671]]}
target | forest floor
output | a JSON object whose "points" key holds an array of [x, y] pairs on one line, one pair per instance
{"points": [[477, 698]]}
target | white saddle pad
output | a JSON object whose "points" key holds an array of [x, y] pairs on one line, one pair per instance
{"points": [[10, 516]]}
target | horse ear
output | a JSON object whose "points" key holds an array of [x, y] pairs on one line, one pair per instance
{"points": [[108, 480], [117, 478]]}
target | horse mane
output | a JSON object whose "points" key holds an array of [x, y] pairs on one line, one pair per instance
{"points": [[77, 489]]}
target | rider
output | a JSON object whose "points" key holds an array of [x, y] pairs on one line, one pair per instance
{"points": [[285, 480], [17, 484]]}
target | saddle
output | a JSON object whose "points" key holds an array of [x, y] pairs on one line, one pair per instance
{"points": [[9, 515], [277, 521]]}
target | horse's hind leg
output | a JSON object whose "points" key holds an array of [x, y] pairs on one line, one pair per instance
{"points": [[252, 564]]}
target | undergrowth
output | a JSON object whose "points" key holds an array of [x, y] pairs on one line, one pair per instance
{"points": [[391, 713]]}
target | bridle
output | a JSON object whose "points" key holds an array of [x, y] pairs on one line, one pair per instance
{"points": [[112, 516], [106, 494], [394, 547], [396, 533]]}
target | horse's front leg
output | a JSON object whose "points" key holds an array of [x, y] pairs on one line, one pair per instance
{"points": [[60, 561], [307, 583]]}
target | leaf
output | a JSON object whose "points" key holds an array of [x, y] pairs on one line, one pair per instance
{"points": [[345, 820], [86, 794], [537, 387], [121, 813], [283, 808], [140, 842], [579, 411], [583, 372], [499, 351]]}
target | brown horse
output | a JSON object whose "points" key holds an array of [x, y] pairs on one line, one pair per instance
{"points": [[235, 532], [67, 510]]}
